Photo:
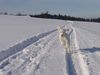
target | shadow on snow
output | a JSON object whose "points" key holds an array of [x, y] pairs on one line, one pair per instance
{"points": [[93, 49], [69, 64]]}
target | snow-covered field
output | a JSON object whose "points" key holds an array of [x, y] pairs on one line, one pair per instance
{"points": [[30, 46]]}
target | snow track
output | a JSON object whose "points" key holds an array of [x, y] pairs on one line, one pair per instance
{"points": [[90, 47], [43, 53], [28, 56], [69, 64], [20, 46], [80, 64], [19, 59], [75, 63]]}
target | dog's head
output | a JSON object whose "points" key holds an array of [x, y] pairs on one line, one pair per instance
{"points": [[60, 29]]}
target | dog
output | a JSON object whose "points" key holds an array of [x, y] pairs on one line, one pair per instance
{"points": [[63, 37]]}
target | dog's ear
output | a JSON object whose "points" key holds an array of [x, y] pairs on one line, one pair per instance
{"points": [[59, 29]]}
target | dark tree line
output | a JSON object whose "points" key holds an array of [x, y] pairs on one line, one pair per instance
{"points": [[59, 16], [64, 17]]}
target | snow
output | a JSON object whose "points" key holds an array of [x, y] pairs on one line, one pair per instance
{"points": [[31, 46], [1, 72], [89, 43], [14, 29]]}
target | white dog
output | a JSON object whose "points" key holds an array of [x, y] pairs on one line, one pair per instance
{"points": [[63, 37]]}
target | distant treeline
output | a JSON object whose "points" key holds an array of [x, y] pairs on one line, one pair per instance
{"points": [[64, 17], [55, 16], [17, 14]]}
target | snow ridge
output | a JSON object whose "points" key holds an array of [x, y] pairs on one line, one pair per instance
{"points": [[82, 69], [75, 64], [15, 50]]}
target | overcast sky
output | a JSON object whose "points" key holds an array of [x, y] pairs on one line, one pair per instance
{"points": [[84, 8]]}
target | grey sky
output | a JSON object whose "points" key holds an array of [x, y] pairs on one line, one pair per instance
{"points": [[84, 8]]}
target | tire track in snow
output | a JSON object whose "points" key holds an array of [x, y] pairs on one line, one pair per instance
{"points": [[65, 41], [70, 68], [13, 57], [88, 44], [32, 67], [75, 64], [20, 46], [79, 63], [69, 64]]}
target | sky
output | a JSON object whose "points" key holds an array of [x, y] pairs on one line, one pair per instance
{"points": [[81, 8]]}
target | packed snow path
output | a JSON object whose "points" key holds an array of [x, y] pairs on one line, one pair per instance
{"points": [[44, 55], [75, 64], [90, 47], [22, 45], [19, 55]]}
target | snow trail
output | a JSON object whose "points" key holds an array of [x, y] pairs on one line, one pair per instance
{"points": [[35, 64], [17, 62], [82, 69], [69, 64], [90, 47], [20, 46], [42, 54], [26, 57], [65, 41], [75, 64]]}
